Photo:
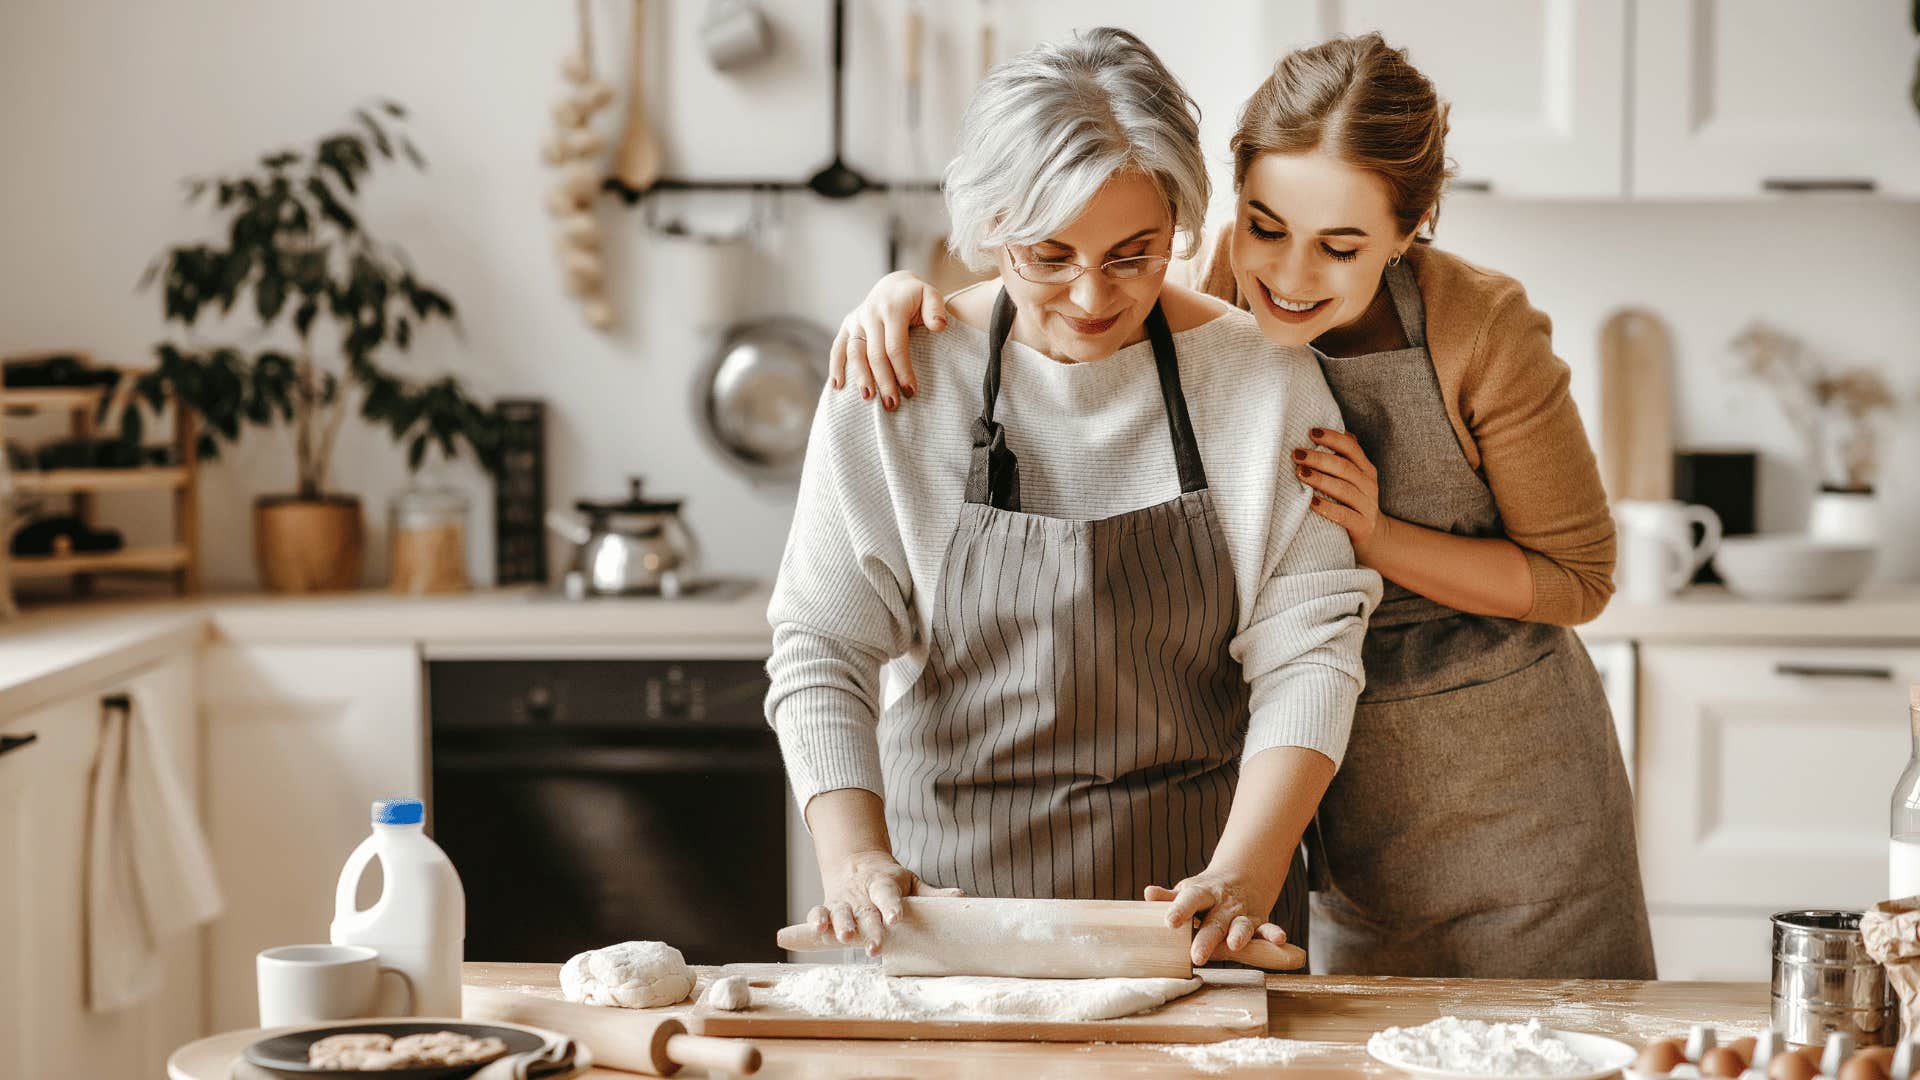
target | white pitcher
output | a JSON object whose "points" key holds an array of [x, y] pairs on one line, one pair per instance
{"points": [[1658, 554]]}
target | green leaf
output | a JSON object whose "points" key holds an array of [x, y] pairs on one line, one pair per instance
{"points": [[133, 426], [331, 207], [207, 446], [417, 452]]}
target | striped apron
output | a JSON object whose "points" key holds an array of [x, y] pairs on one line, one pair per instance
{"points": [[1077, 729], [1481, 823]]}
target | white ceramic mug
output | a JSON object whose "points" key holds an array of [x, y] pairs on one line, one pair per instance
{"points": [[1658, 554], [308, 984]]}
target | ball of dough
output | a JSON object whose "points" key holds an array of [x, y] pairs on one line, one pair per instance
{"points": [[730, 994], [631, 975]]}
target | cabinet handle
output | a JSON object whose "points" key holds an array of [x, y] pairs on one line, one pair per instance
{"points": [[1470, 185], [119, 702], [15, 742], [1802, 186], [1823, 671]]}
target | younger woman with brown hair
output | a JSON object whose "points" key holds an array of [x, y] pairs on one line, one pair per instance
{"points": [[1481, 823]]}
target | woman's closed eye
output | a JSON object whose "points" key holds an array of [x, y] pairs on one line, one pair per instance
{"points": [[1332, 252]]}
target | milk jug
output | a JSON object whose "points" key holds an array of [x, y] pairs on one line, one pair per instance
{"points": [[419, 924]]}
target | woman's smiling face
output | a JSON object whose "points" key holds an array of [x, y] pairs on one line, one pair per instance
{"points": [[1312, 237], [1093, 316]]}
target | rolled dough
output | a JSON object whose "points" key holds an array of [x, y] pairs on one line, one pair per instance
{"points": [[861, 990]]}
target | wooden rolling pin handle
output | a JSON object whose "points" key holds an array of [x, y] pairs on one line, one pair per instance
{"points": [[805, 938], [716, 1055], [1262, 953]]}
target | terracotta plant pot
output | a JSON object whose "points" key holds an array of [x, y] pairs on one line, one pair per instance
{"points": [[308, 545]]}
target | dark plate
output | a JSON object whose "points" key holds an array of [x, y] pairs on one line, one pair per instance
{"points": [[287, 1054]]}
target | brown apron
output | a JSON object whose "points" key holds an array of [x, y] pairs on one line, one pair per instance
{"points": [[1077, 729], [1481, 823]]}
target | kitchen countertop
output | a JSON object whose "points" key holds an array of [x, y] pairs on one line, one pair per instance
{"points": [[55, 650], [1887, 614], [1332, 1016]]}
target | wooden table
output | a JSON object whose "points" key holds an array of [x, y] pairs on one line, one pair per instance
{"points": [[1330, 1017]]}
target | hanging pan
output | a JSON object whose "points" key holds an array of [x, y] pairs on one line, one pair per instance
{"points": [[759, 392]]}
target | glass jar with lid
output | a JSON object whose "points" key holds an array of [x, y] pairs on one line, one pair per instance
{"points": [[427, 541]]}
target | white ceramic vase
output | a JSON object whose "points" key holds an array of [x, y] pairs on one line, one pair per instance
{"points": [[1850, 515]]}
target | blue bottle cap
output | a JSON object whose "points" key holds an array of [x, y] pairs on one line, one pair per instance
{"points": [[399, 812]]}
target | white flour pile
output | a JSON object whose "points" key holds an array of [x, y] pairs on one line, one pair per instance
{"points": [[1241, 1053], [1475, 1046], [860, 990]]}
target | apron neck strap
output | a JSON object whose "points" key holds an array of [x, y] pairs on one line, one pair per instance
{"points": [[1407, 303], [993, 477]]}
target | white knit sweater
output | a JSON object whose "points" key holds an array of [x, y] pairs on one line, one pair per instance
{"points": [[882, 491]]}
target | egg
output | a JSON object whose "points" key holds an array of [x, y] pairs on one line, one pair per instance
{"points": [[1722, 1061], [1744, 1047], [1864, 1066], [1659, 1058], [1792, 1067]]}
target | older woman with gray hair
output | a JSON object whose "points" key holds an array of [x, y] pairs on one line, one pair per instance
{"points": [[1058, 631]]}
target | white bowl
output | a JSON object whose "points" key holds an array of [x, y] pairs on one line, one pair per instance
{"points": [[1792, 566], [1606, 1056]]}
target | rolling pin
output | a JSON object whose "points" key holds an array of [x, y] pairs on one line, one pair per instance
{"points": [[619, 1038], [1045, 939]]}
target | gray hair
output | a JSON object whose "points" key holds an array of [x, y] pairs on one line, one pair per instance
{"points": [[1047, 128]]}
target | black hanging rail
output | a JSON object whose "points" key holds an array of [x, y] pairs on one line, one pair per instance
{"points": [[836, 180]]}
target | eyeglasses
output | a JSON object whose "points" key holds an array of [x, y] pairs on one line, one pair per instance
{"points": [[1043, 272]]}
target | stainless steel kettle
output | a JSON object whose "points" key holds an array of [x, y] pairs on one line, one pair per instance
{"points": [[639, 546]]}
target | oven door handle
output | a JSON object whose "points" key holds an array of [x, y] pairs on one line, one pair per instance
{"points": [[608, 760]]}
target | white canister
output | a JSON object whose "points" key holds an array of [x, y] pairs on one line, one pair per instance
{"points": [[419, 924], [1658, 553]]}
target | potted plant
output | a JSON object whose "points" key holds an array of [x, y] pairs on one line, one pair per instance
{"points": [[329, 301], [1837, 413]]}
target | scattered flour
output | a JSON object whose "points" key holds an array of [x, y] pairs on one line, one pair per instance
{"points": [[1474, 1046], [862, 990], [1237, 1053]]}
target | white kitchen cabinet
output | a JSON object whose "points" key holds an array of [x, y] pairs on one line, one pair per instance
{"points": [[300, 740], [1537, 87], [1713, 947], [1735, 98], [46, 1030], [1765, 774]]}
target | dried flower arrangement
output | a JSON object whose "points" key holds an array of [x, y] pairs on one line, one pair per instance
{"points": [[1836, 411]]}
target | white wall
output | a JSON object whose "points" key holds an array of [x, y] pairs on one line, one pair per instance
{"points": [[104, 106]]}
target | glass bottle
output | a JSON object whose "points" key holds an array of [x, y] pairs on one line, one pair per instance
{"points": [[1903, 844]]}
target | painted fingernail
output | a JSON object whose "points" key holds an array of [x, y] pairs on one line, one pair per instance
{"points": [[909, 390], [1315, 502], [1299, 455], [837, 384], [889, 401], [1305, 472], [866, 393], [1317, 432]]}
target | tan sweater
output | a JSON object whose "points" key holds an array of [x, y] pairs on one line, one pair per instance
{"points": [[1506, 394]]}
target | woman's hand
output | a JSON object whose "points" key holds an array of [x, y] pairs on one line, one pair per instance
{"points": [[1235, 909], [863, 894], [870, 351], [1346, 487]]}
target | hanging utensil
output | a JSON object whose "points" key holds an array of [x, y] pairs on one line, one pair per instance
{"points": [[636, 164], [838, 180]]}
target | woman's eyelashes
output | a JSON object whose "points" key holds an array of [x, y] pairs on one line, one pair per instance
{"points": [[1333, 253]]}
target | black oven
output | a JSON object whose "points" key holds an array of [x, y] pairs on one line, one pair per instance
{"points": [[587, 802]]}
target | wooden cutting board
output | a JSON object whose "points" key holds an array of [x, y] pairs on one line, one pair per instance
{"points": [[1233, 1005], [1636, 407]]}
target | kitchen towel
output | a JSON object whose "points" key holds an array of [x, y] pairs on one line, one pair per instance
{"points": [[149, 872]]}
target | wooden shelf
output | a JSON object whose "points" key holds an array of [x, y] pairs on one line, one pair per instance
{"points": [[35, 398], [161, 557], [65, 481]]}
